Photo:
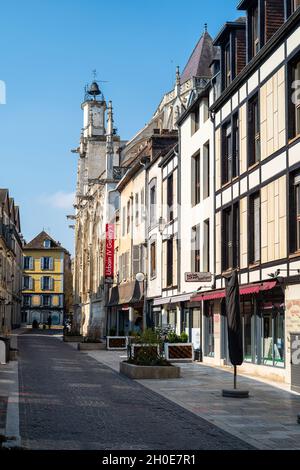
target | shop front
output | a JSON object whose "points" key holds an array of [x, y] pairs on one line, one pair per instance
{"points": [[171, 312], [263, 326], [125, 309]]}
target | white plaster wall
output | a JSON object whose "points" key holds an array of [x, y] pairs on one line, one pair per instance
{"points": [[192, 216]]}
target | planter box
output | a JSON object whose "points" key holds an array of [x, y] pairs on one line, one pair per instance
{"points": [[137, 346], [177, 352], [73, 339], [149, 372], [91, 346], [115, 343]]}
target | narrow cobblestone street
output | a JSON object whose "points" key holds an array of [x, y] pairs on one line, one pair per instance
{"points": [[69, 401]]}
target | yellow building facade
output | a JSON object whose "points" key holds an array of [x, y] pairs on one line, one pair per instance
{"points": [[47, 281]]}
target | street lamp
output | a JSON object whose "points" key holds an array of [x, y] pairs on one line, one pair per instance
{"points": [[141, 277]]}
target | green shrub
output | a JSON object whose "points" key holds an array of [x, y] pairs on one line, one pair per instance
{"points": [[184, 337]]}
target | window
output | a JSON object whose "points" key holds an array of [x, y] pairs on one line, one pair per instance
{"points": [[136, 259], [206, 171], [46, 301], [209, 330], [227, 64], [170, 262], [46, 263], [295, 212], [28, 262], [196, 120], [123, 221], [47, 283], [254, 229], [294, 101], [170, 196], [137, 213], [195, 249], [27, 283], [206, 247], [26, 300], [255, 31], [230, 225], [196, 179], [128, 216], [143, 205], [294, 5], [153, 203], [47, 243], [230, 149], [254, 130], [153, 259]]}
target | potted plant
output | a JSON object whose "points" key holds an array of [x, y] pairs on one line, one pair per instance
{"points": [[146, 360], [92, 342], [177, 348]]}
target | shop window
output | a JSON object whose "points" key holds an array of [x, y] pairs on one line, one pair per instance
{"points": [[172, 319], [209, 331], [272, 348]]}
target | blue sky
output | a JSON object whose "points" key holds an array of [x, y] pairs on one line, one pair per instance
{"points": [[48, 51]]}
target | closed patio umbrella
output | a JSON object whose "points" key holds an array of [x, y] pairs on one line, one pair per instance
{"points": [[235, 332]]}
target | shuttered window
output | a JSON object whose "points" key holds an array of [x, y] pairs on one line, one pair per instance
{"points": [[136, 259]]}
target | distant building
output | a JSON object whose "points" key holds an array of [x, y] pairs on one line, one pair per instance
{"points": [[10, 263], [47, 281]]}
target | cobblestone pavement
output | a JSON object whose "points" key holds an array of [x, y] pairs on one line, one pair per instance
{"points": [[267, 420], [68, 400]]}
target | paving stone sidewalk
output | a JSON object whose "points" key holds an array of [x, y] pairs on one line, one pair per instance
{"points": [[267, 420]]}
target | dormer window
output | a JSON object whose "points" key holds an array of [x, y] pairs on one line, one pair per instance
{"points": [[47, 243], [227, 61], [294, 5]]}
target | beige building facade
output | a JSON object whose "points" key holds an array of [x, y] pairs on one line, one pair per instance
{"points": [[10, 263]]}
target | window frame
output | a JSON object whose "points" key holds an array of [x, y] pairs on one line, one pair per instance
{"points": [[254, 131], [196, 178]]}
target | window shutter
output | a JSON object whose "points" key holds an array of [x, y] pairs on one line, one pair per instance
{"points": [[136, 259], [42, 283], [51, 283], [31, 262], [23, 282], [42, 263], [30, 283], [51, 263]]}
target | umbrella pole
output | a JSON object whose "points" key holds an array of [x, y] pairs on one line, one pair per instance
{"points": [[235, 374]]}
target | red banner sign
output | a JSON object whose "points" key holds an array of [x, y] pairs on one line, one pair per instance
{"points": [[109, 252]]}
